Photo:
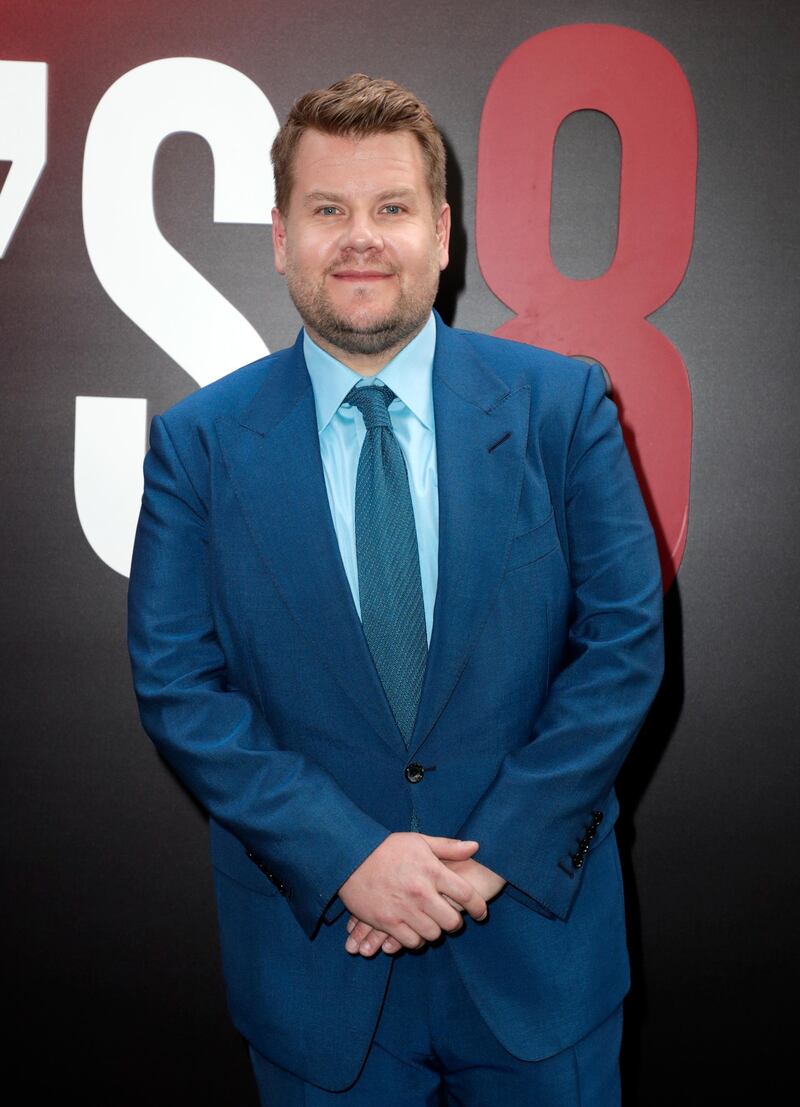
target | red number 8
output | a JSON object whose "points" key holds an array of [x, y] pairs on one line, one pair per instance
{"points": [[631, 78]]}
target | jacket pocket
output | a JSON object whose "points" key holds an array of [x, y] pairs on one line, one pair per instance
{"points": [[533, 544]]}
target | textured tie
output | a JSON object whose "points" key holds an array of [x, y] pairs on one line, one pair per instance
{"points": [[389, 583]]}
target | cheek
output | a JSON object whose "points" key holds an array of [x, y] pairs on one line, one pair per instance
{"points": [[309, 259], [413, 254]]}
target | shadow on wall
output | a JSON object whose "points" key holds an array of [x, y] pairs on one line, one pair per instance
{"points": [[639, 769], [453, 278]]}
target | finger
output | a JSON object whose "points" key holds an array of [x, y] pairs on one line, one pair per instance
{"points": [[360, 931], [351, 922], [456, 921], [424, 923], [391, 945], [407, 937], [357, 936], [454, 849], [372, 943], [454, 886], [445, 916]]}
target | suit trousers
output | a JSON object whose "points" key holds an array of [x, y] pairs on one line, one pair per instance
{"points": [[432, 1047]]}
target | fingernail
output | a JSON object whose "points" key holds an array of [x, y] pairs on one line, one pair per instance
{"points": [[351, 945], [351, 924], [366, 947]]}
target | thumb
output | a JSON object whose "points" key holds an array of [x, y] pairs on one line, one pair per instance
{"points": [[452, 849]]}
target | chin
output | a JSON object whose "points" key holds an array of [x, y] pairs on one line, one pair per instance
{"points": [[368, 310], [365, 321]]}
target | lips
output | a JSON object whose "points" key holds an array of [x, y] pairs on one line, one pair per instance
{"points": [[360, 275]]}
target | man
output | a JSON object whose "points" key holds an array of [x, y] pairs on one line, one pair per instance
{"points": [[395, 620]]}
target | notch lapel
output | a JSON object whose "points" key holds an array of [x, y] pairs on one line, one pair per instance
{"points": [[274, 463], [481, 435]]}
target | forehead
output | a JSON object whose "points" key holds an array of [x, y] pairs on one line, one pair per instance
{"points": [[370, 163]]}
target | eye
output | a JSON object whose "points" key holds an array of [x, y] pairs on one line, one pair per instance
{"points": [[329, 209], [392, 209]]}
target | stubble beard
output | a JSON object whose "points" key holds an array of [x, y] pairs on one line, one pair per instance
{"points": [[405, 319]]}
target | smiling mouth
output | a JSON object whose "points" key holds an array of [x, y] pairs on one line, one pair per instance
{"points": [[360, 275]]}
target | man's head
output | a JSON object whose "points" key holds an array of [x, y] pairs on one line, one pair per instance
{"points": [[361, 227], [356, 107]]}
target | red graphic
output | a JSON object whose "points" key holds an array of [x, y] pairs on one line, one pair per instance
{"points": [[639, 85]]}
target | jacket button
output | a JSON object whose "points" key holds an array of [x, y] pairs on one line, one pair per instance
{"points": [[414, 772]]}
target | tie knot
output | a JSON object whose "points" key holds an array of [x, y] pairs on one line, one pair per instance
{"points": [[373, 403]]}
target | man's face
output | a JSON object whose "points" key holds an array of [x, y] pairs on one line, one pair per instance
{"points": [[361, 246]]}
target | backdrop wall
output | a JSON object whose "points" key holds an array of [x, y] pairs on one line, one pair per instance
{"points": [[137, 264]]}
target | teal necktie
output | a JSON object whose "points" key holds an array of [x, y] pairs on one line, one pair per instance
{"points": [[389, 582]]}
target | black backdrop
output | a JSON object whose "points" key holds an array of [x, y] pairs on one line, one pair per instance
{"points": [[110, 965]]}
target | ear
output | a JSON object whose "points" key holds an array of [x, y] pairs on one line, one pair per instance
{"points": [[443, 235], [279, 240]]}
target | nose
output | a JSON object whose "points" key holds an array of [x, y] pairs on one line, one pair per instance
{"points": [[361, 234]]}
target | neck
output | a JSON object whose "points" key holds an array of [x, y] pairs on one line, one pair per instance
{"points": [[367, 365]]}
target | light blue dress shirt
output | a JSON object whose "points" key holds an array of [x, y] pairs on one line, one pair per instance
{"points": [[341, 435]]}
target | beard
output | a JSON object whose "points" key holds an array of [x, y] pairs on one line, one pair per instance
{"points": [[359, 331]]}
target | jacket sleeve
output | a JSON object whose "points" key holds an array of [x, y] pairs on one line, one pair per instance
{"points": [[291, 815], [539, 815]]}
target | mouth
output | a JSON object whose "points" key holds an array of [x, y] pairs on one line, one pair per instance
{"points": [[361, 275]]}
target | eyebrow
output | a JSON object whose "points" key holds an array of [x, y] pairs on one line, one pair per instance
{"points": [[387, 194]]}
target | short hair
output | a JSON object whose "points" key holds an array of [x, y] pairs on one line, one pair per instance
{"points": [[358, 106]]}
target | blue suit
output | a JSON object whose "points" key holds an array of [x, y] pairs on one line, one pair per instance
{"points": [[255, 682]]}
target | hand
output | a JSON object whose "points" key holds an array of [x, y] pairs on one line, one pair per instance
{"points": [[405, 891], [367, 940]]}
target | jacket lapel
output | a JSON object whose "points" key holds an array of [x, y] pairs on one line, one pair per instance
{"points": [[274, 463], [481, 436]]}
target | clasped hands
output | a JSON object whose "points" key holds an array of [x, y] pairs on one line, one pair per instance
{"points": [[411, 888]]}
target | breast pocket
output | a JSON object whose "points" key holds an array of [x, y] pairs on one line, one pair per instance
{"points": [[533, 544]]}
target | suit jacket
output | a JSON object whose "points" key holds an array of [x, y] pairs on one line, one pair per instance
{"points": [[256, 684]]}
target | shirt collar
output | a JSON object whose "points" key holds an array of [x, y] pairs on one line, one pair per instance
{"points": [[408, 375]]}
